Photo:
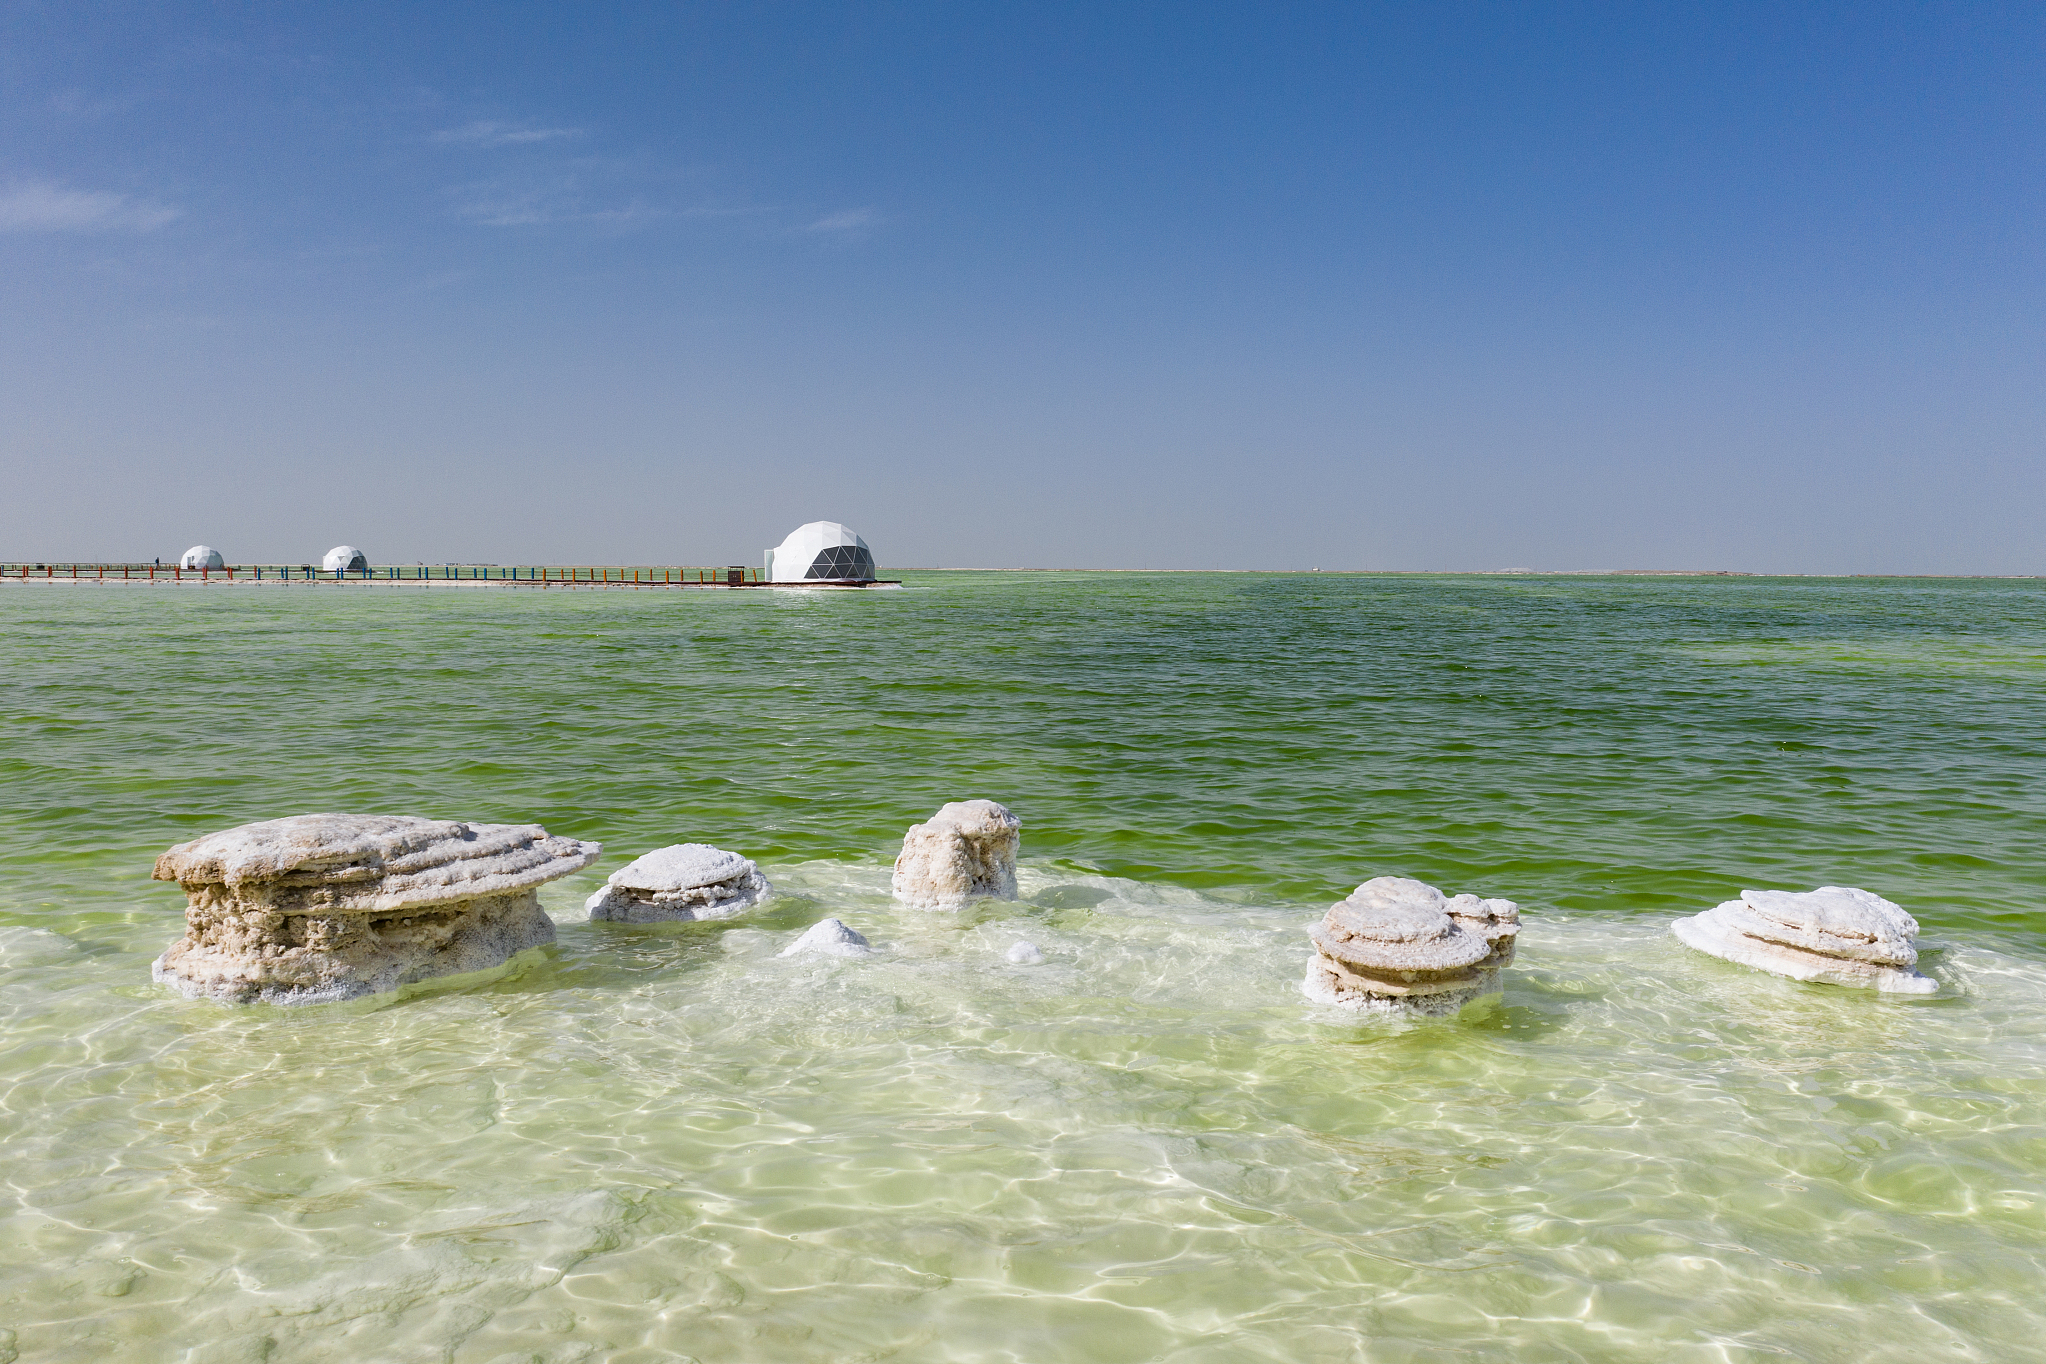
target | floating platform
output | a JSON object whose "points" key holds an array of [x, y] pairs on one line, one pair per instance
{"points": [[667, 576]]}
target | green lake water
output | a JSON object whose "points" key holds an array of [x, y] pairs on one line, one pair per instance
{"points": [[670, 1142]]}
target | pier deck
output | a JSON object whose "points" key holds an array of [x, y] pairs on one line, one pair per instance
{"points": [[666, 576]]}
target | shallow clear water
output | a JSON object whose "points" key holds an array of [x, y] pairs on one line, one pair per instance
{"points": [[670, 1142]]}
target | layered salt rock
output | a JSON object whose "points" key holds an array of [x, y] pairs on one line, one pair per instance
{"points": [[1400, 945], [685, 881], [966, 851], [1496, 921], [1836, 934], [830, 937], [317, 908]]}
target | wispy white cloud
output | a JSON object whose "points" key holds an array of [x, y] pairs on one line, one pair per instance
{"points": [[497, 204], [847, 220], [488, 133], [79, 104], [446, 279], [566, 182], [40, 206]]}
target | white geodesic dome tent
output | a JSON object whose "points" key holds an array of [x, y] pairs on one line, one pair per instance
{"points": [[344, 559], [820, 550], [201, 556]]}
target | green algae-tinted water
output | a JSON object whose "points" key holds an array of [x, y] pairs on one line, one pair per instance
{"points": [[671, 1142]]}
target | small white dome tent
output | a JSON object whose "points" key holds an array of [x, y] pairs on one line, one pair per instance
{"points": [[821, 550], [201, 556], [344, 559]]}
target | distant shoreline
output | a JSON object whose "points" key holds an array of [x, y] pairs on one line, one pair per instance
{"points": [[189, 581]]}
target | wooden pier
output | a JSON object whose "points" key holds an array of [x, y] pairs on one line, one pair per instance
{"points": [[420, 575]]}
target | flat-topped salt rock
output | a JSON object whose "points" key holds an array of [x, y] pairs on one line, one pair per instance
{"points": [[678, 883], [1839, 935], [966, 851], [317, 908], [1397, 944]]}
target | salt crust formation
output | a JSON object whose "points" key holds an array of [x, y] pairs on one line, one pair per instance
{"points": [[1400, 945], [685, 881], [964, 852], [317, 908], [1835, 934], [831, 937]]}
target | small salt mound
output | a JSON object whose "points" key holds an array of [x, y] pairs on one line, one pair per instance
{"points": [[681, 882], [1025, 954], [829, 936], [1399, 944], [1838, 935]]}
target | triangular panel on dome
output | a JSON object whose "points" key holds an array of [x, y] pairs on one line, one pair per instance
{"points": [[344, 559], [821, 551]]}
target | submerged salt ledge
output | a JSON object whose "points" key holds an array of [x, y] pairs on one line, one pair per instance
{"points": [[1397, 944], [317, 908], [679, 883], [966, 851], [1486, 1093], [1837, 935]]}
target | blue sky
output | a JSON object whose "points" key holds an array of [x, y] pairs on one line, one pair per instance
{"points": [[1189, 285]]}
